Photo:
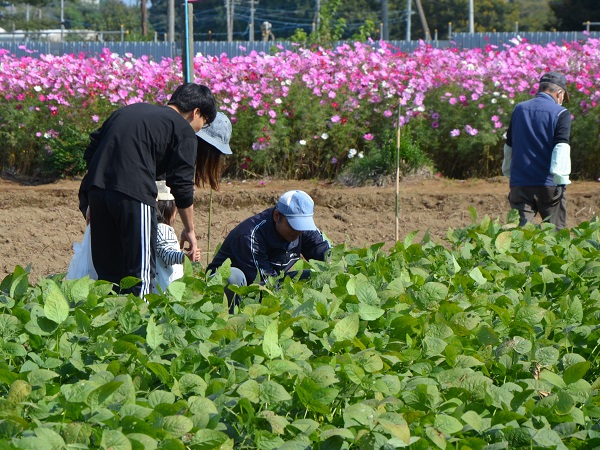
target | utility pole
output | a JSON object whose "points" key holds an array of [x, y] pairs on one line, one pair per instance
{"points": [[408, 18], [62, 20], [229, 9], [144, 18], [385, 20], [471, 17], [171, 21], [318, 15], [423, 20], [251, 26]]}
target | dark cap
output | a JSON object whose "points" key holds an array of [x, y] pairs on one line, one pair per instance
{"points": [[558, 79]]}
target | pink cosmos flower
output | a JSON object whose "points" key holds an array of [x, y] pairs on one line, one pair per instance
{"points": [[96, 118], [368, 137], [470, 130], [335, 119], [455, 132]]}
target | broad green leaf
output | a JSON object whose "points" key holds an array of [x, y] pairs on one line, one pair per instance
{"points": [[324, 376], [368, 312], [436, 436], [575, 312], [547, 356], [271, 346], [277, 423], [316, 398], [51, 437], [447, 424], [477, 276], [39, 377], [208, 439], [114, 440], [474, 420], [549, 439], [154, 334], [365, 292], [250, 389], [359, 414], [273, 392], [369, 360], [145, 442], [176, 289], [56, 307], [503, 241], [434, 346], [19, 391], [576, 372], [565, 402], [160, 371], [190, 383], [552, 378], [101, 395], [77, 433], [346, 329], [160, 397], [177, 425]]}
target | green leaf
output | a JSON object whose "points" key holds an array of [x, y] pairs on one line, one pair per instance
{"points": [[160, 397], [154, 334], [39, 377], [114, 440], [176, 289], [271, 346], [503, 241], [474, 420], [447, 424], [565, 402], [50, 437], [436, 436], [477, 276], [208, 439], [160, 371], [56, 307], [19, 391], [277, 423], [368, 312], [177, 426], [190, 383], [365, 292], [346, 329], [576, 372], [273, 392], [249, 389], [359, 414]]}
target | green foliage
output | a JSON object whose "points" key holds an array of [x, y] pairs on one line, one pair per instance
{"points": [[489, 341], [378, 163]]}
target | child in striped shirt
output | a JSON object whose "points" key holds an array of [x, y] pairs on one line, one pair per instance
{"points": [[169, 257]]}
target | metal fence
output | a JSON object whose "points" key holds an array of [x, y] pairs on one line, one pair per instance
{"points": [[160, 50]]}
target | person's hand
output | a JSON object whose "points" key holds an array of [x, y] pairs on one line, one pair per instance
{"points": [[191, 250]]}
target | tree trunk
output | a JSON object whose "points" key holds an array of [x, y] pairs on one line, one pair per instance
{"points": [[144, 18]]}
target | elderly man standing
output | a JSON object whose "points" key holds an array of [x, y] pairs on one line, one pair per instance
{"points": [[537, 153]]}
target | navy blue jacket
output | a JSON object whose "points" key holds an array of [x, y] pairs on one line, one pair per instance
{"points": [[536, 126], [255, 247]]}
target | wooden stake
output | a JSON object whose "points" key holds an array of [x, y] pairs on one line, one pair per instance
{"points": [[397, 235], [210, 203]]}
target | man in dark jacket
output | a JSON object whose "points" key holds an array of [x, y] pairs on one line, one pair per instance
{"points": [[537, 153], [134, 145], [269, 243]]}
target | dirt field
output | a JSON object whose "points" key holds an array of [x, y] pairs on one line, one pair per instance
{"points": [[38, 224]]}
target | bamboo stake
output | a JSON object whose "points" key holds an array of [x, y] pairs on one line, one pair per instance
{"points": [[210, 204], [397, 235]]}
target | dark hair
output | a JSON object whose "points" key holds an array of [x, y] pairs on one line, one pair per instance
{"points": [[208, 165], [190, 96], [165, 210], [547, 86]]}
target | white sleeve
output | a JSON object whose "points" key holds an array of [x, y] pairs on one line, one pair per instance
{"points": [[560, 165], [506, 161]]}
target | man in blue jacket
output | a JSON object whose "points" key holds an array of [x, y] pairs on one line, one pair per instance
{"points": [[537, 153], [269, 243]]}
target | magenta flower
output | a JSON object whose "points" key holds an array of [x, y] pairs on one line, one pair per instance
{"points": [[470, 130], [336, 119], [455, 132], [96, 118], [368, 137]]}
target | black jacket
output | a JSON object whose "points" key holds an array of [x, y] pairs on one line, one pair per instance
{"points": [[137, 143], [255, 247]]}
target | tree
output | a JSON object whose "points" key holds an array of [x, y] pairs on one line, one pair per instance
{"points": [[571, 14]]}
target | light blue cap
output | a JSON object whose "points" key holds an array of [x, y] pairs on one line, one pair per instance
{"points": [[218, 133], [298, 209]]}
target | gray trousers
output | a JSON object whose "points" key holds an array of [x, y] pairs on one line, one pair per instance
{"points": [[549, 201]]}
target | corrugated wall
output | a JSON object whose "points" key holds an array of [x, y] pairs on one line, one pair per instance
{"points": [[159, 50]]}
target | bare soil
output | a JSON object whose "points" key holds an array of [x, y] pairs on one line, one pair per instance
{"points": [[38, 224]]}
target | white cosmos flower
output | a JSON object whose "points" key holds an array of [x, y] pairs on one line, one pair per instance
{"points": [[278, 101], [361, 155], [351, 153], [37, 88], [302, 142], [324, 136]]}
